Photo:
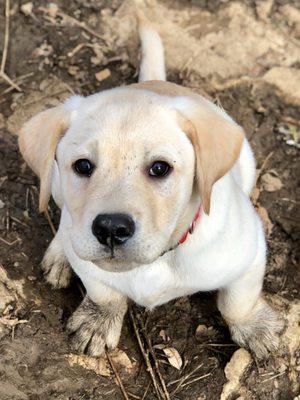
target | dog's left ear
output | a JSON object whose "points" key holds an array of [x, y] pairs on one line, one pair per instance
{"points": [[38, 140], [216, 138]]}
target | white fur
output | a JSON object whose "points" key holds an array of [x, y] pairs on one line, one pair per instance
{"points": [[153, 62], [121, 131], [225, 245]]}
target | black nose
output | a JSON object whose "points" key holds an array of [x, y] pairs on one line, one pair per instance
{"points": [[112, 229]]}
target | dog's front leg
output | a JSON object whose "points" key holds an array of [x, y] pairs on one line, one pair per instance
{"points": [[55, 264], [252, 322], [97, 322]]}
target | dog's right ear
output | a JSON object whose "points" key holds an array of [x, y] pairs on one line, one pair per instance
{"points": [[38, 140]]}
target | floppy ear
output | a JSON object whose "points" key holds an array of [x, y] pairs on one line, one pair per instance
{"points": [[38, 140], [216, 138]]}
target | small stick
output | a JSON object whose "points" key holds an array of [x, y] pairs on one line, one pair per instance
{"points": [[162, 381], [3, 75], [263, 166], [10, 243], [146, 391], [145, 355], [290, 120], [80, 289], [74, 21], [50, 222], [196, 379], [6, 78], [6, 36], [273, 377], [125, 395], [18, 79], [184, 378]]}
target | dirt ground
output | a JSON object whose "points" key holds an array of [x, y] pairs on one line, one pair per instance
{"points": [[245, 56]]}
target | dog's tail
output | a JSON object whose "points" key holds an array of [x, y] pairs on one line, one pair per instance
{"points": [[153, 60]]}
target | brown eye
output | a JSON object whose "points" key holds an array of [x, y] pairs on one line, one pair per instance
{"points": [[83, 167], [159, 169]]}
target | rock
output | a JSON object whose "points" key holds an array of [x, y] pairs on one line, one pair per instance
{"points": [[263, 8], [286, 81], [201, 329], [270, 182], [27, 8], [234, 371]]}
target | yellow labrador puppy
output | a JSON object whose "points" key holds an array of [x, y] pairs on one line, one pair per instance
{"points": [[153, 182]]}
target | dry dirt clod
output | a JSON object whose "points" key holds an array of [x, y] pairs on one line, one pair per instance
{"points": [[263, 8], [234, 371], [27, 8], [98, 365], [270, 182]]}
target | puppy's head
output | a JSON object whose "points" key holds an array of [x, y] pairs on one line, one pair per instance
{"points": [[131, 166]]}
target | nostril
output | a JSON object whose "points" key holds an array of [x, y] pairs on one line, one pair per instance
{"points": [[122, 232]]}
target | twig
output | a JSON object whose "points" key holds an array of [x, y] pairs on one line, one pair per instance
{"points": [[6, 78], [196, 379], [10, 243], [80, 289], [19, 79], [263, 166], [145, 355], [146, 391], [3, 75], [290, 120], [50, 222], [74, 21], [184, 378], [6, 36], [161, 379], [273, 377], [18, 221], [125, 395]]}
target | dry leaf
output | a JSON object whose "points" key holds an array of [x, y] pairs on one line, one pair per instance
{"points": [[121, 360], [98, 365], [268, 225], [102, 75], [270, 182], [173, 357]]}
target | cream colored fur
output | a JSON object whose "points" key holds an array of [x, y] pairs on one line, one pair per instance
{"points": [[122, 131]]}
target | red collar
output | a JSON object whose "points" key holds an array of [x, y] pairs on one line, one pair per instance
{"points": [[192, 226]]}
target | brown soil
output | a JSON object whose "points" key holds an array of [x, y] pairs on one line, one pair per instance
{"points": [[34, 361]]}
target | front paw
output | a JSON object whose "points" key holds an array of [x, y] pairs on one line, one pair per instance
{"points": [[93, 327], [260, 333], [56, 268]]}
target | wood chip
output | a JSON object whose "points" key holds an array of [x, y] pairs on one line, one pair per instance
{"points": [[102, 75]]}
